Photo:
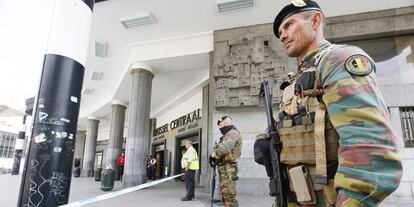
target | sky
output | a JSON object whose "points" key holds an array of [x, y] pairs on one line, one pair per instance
{"points": [[24, 29], [24, 32]]}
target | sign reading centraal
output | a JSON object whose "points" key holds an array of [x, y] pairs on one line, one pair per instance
{"points": [[181, 121]]}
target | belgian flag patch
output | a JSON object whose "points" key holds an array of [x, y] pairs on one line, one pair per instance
{"points": [[358, 65]]}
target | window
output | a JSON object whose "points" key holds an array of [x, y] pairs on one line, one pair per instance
{"points": [[2, 137], [407, 123], [7, 142]]}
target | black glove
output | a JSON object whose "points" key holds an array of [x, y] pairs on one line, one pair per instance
{"points": [[212, 161], [284, 85]]}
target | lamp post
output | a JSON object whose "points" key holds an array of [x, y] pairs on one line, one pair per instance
{"points": [[48, 168]]}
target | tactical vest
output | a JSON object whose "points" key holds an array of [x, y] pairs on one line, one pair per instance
{"points": [[308, 137]]}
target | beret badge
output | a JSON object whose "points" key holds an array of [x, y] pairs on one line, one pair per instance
{"points": [[298, 3]]}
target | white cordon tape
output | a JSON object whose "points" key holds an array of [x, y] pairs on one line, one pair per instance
{"points": [[119, 192]]}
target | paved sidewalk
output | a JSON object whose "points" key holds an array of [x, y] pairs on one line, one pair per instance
{"points": [[166, 194]]}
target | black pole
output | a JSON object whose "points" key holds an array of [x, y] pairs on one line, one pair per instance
{"points": [[48, 168], [19, 146]]}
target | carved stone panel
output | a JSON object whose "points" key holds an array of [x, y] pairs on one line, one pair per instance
{"points": [[238, 75]]}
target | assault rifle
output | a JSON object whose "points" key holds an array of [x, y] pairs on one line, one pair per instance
{"points": [[213, 162], [279, 183]]}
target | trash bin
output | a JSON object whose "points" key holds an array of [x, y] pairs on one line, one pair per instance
{"points": [[98, 174], [76, 172], [108, 179]]}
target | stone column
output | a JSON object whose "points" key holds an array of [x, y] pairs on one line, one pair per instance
{"points": [[205, 169], [80, 145], [116, 135], [90, 147], [138, 127]]}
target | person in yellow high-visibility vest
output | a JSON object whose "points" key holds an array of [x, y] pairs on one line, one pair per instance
{"points": [[190, 164]]}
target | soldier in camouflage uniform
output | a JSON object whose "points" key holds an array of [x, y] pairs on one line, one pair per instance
{"points": [[335, 84], [227, 152]]}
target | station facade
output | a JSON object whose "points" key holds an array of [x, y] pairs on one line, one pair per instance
{"points": [[239, 60]]}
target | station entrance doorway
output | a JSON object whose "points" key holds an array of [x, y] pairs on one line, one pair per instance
{"points": [[158, 151], [195, 137]]}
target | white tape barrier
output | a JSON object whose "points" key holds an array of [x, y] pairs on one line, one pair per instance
{"points": [[119, 192]]}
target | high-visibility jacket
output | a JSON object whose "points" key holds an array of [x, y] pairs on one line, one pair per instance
{"points": [[194, 164]]}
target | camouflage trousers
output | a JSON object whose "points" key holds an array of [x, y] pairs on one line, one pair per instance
{"points": [[227, 179]]}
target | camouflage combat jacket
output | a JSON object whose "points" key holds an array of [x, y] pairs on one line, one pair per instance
{"points": [[229, 147], [369, 166]]}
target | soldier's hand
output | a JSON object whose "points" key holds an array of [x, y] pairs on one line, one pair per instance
{"points": [[214, 155], [211, 161]]}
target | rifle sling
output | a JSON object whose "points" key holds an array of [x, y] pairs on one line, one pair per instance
{"points": [[320, 145]]}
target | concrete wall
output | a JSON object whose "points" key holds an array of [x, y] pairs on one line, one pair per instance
{"points": [[103, 133], [186, 106], [205, 167], [249, 120], [398, 95]]}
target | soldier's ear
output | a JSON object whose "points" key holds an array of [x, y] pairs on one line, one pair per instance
{"points": [[316, 20]]}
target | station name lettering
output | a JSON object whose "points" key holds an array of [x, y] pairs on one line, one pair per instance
{"points": [[181, 121]]}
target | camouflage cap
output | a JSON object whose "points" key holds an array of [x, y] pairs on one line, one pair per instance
{"points": [[295, 7]]}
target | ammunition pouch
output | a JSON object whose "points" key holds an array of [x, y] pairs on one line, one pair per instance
{"points": [[289, 100], [299, 143], [302, 185]]}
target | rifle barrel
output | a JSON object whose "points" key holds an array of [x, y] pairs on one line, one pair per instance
{"points": [[278, 182], [213, 185], [268, 104]]}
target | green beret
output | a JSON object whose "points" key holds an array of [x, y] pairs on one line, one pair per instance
{"points": [[295, 7]]}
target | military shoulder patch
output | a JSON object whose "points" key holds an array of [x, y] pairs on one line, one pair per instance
{"points": [[358, 65]]}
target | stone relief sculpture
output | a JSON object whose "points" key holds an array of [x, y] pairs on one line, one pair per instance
{"points": [[239, 74]]}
